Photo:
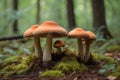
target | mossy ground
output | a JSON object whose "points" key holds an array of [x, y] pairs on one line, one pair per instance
{"points": [[66, 65], [18, 65], [111, 67]]}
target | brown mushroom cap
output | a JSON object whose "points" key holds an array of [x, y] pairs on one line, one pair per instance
{"points": [[77, 33], [92, 36], [59, 43], [29, 32], [50, 27]]}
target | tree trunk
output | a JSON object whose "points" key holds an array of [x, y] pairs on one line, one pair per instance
{"points": [[15, 9], [38, 12], [5, 8], [99, 18], [86, 11], [70, 14]]}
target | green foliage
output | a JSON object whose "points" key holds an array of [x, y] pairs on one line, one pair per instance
{"points": [[110, 70], [106, 68], [104, 58], [52, 73], [115, 72], [68, 64]]}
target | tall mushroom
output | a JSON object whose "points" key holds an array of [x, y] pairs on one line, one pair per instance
{"points": [[88, 41], [80, 34], [37, 45], [58, 44], [50, 30]]}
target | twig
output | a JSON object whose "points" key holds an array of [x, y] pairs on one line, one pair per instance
{"points": [[69, 75], [11, 37]]}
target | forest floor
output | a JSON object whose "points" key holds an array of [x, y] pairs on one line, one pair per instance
{"points": [[90, 74]]}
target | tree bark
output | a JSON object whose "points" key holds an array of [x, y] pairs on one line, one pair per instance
{"points": [[70, 14], [99, 18], [15, 9], [38, 12]]}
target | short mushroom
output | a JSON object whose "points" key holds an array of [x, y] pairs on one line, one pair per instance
{"points": [[37, 45], [80, 34], [58, 44], [49, 29], [88, 41]]}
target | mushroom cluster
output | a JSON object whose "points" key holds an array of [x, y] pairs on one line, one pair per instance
{"points": [[83, 38], [50, 30]]}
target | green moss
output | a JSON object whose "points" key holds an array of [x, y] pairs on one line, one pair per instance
{"points": [[17, 69], [115, 72], [70, 51], [8, 74], [7, 70], [28, 60], [68, 64], [52, 73], [10, 60], [21, 69], [113, 48], [102, 57]]}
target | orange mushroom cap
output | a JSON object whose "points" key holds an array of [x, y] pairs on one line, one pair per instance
{"points": [[50, 27], [77, 33], [92, 36], [29, 32], [59, 43]]}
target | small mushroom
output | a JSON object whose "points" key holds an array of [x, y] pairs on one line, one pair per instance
{"points": [[37, 44], [58, 44], [50, 30], [80, 34], [88, 41]]}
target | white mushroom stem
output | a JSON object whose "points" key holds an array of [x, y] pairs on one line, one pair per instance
{"points": [[87, 53], [48, 48], [58, 50], [38, 49], [80, 49]]}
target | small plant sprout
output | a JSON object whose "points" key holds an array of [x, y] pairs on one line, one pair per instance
{"points": [[37, 44], [80, 34], [50, 30], [88, 41], [58, 44]]}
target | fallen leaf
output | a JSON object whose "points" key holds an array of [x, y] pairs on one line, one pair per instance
{"points": [[111, 78]]}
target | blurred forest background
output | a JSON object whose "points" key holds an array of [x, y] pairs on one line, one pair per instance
{"points": [[16, 16]]}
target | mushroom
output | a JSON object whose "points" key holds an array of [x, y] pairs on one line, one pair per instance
{"points": [[80, 34], [58, 44], [88, 41], [50, 30], [37, 45]]}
